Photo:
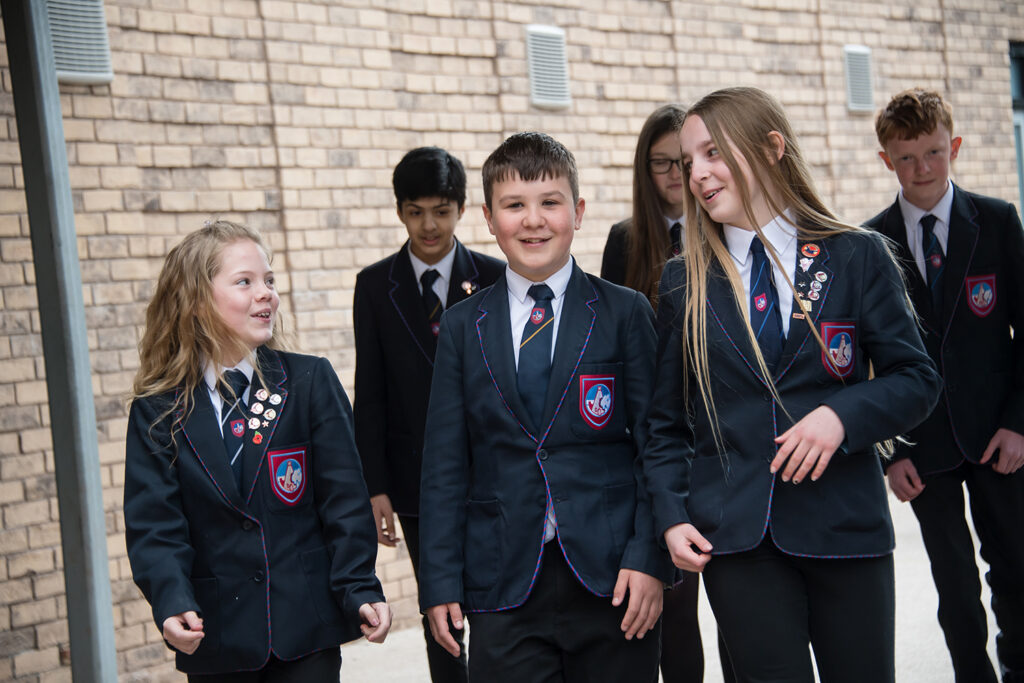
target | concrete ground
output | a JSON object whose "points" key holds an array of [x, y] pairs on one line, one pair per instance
{"points": [[921, 655]]}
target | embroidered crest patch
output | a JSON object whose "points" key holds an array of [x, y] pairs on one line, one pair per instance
{"points": [[981, 294], [537, 315], [761, 302], [839, 340], [238, 427], [597, 399], [287, 474]]}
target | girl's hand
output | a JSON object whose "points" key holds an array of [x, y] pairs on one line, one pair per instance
{"points": [[184, 631], [645, 596], [809, 443], [680, 539], [376, 618]]}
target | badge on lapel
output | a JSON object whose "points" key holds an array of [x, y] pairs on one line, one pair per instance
{"points": [[981, 294], [597, 399], [288, 474], [238, 427], [839, 341]]}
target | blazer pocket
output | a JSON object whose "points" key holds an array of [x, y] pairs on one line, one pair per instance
{"points": [[288, 472], [620, 509], [316, 565], [483, 543], [207, 595], [707, 489], [595, 399]]}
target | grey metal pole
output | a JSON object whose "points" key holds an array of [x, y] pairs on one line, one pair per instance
{"points": [[65, 349]]}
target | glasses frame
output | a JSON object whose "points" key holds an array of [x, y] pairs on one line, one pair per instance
{"points": [[668, 163]]}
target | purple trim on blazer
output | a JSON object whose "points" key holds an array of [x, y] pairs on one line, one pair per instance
{"points": [[735, 346]]}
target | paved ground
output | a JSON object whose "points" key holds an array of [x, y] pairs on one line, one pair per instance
{"points": [[921, 655]]}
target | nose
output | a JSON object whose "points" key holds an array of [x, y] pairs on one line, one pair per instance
{"points": [[923, 167], [533, 217], [263, 291]]}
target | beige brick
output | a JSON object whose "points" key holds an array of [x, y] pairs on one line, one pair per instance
{"points": [[36, 661], [33, 561]]}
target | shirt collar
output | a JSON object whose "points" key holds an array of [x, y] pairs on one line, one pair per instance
{"points": [[942, 209], [213, 371], [558, 282], [779, 232], [443, 267]]}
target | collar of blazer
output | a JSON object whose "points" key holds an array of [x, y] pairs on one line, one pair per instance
{"points": [[408, 303], [204, 438], [574, 329], [813, 284]]}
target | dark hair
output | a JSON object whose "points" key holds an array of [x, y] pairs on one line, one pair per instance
{"points": [[647, 239], [533, 156], [429, 172], [911, 114]]}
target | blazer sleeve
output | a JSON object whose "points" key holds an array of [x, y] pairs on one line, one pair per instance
{"points": [[906, 386], [613, 261], [643, 552], [669, 448], [1013, 270], [156, 529], [445, 477], [371, 392], [342, 503]]}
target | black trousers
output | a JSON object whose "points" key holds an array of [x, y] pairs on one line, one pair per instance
{"points": [[770, 606], [319, 667], [563, 633], [682, 651], [997, 509], [443, 667]]}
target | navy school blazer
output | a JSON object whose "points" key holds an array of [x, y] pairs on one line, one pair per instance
{"points": [[857, 302], [282, 565], [978, 342], [488, 471], [394, 362]]}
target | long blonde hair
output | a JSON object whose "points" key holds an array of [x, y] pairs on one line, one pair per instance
{"points": [[741, 120], [183, 327]]}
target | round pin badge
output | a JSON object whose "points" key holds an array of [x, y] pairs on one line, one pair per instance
{"points": [[813, 296], [262, 395], [815, 286], [275, 399], [810, 250], [468, 286], [821, 276], [270, 414], [254, 423], [256, 408]]}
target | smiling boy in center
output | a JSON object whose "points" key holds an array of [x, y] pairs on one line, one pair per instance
{"points": [[534, 519]]}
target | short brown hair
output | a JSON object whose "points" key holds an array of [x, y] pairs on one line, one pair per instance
{"points": [[533, 156], [912, 113]]}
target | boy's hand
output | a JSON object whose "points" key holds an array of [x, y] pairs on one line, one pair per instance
{"points": [[809, 443], [184, 631], [645, 596], [438, 617], [384, 517], [376, 618], [680, 539], [904, 481], [1010, 445]]}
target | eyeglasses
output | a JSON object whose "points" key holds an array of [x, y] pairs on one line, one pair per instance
{"points": [[661, 166]]}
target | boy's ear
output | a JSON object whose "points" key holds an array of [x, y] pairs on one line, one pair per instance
{"points": [[954, 147], [778, 144], [580, 206], [888, 162], [462, 210], [487, 217]]}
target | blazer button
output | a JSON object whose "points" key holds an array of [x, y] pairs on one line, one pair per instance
{"points": [[247, 525], [543, 454], [258, 576]]}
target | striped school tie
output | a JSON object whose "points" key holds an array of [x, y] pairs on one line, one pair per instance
{"points": [[232, 423]]}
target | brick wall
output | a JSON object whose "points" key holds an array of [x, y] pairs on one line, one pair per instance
{"points": [[290, 116]]}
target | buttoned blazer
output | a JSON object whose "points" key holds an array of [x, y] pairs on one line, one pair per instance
{"points": [[973, 342], [394, 364], [730, 496], [282, 565], [488, 470]]}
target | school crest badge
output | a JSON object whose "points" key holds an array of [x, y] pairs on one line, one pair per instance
{"points": [[839, 341], [981, 294], [761, 302], [288, 474], [238, 427], [537, 315], [435, 328], [597, 399]]}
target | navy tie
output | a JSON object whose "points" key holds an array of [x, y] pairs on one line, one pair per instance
{"points": [[232, 421], [934, 261], [764, 307], [535, 352], [431, 302], [675, 234]]}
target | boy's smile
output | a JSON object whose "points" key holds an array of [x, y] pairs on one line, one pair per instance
{"points": [[922, 165], [533, 223]]}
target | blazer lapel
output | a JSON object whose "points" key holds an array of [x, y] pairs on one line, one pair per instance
{"points": [[813, 282], [728, 317], [963, 237], [266, 405], [577, 321], [207, 442], [895, 228], [495, 334], [405, 297], [463, 281]]}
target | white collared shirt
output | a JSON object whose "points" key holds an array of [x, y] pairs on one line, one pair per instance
{"points": [[912, 216], [781, 234], [443, 268], [210, 376], [520, 304]]}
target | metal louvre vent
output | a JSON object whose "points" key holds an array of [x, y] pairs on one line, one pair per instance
{"points": [[860, 93], [548, 67], [78, 30]]}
